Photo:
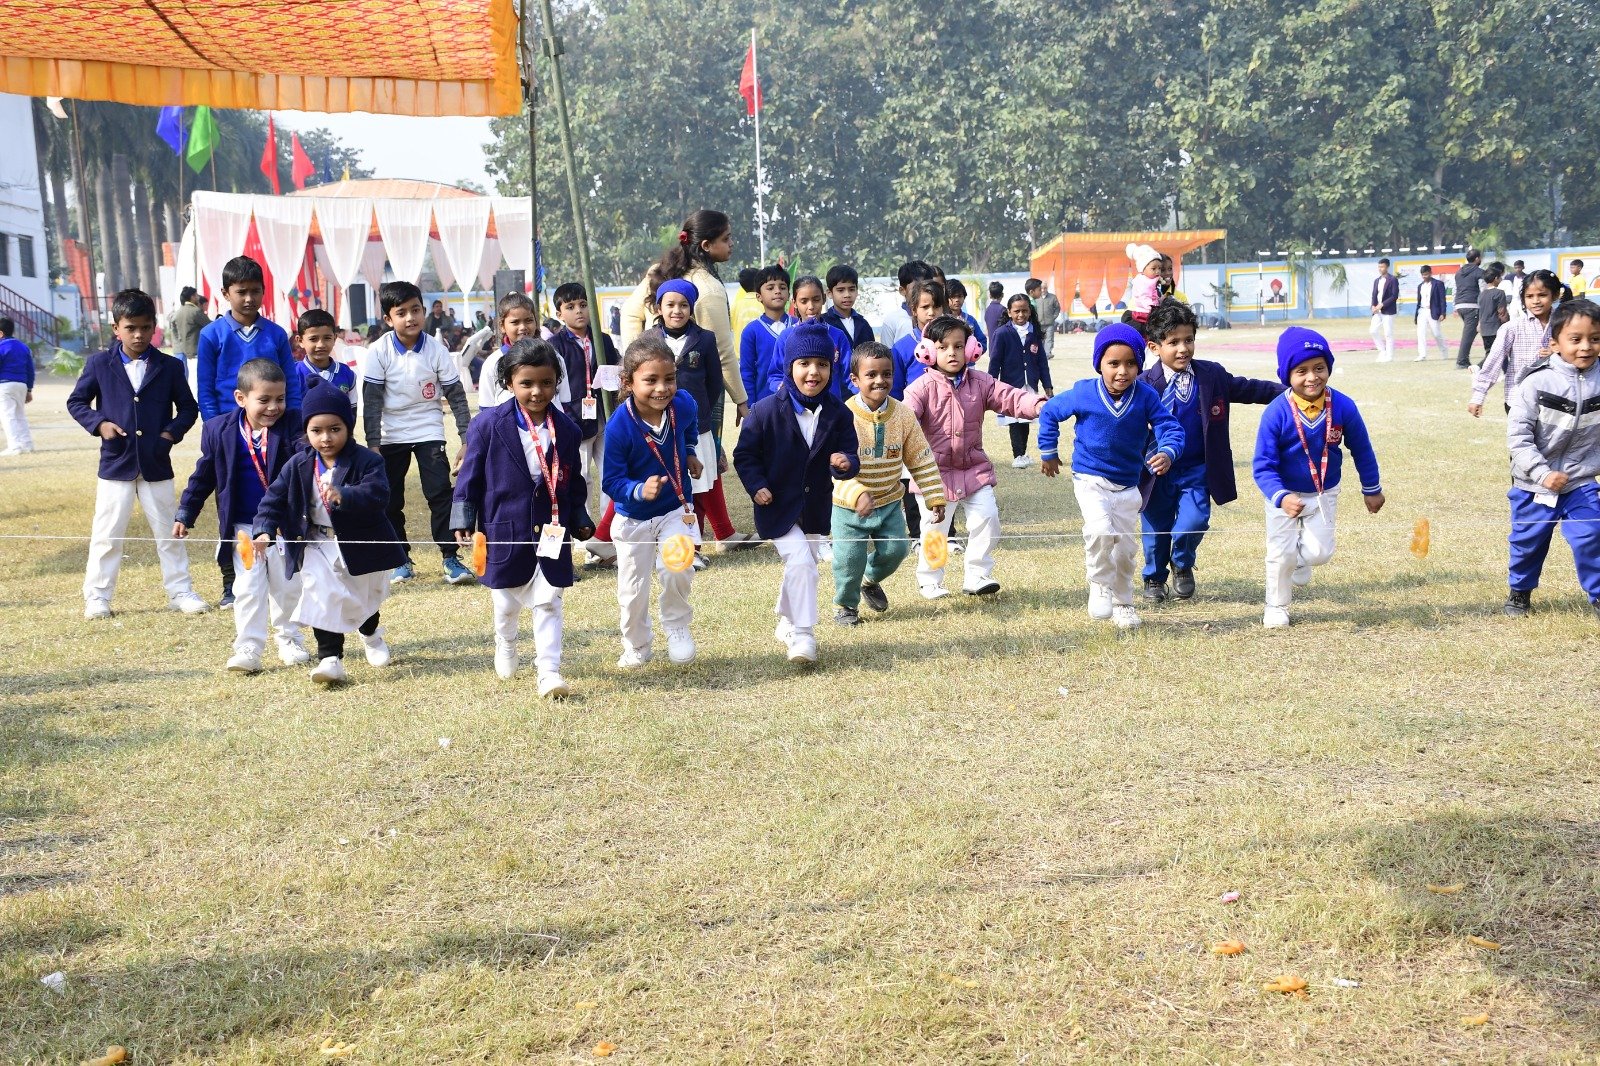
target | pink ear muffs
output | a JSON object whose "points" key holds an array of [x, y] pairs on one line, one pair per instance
{"points": [[926, 350], [974, 349]]}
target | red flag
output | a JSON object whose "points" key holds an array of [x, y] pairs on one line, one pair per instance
{"points": [[269, 157], [300, 166], [749, 84]]}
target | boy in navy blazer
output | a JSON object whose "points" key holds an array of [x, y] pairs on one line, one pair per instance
{"points": [[788, 447], [137, 401], [241, 451], [1177, 505]]}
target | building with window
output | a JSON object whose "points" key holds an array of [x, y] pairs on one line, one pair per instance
{"points": [[24, 256]]}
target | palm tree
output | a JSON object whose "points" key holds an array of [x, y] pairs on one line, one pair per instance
{"points": [[1303, 263]]}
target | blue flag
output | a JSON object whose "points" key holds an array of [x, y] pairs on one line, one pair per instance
{"points": [[169, 127], [327, 169], [538, 265]]}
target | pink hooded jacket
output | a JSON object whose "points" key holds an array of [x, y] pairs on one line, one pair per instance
{"points": [[952, 419]]}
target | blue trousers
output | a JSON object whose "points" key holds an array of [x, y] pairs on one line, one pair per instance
{"points": [[1177, 516], [1533, 526]]}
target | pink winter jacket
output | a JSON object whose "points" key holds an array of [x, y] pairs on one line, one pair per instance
{"points": [[952, 420]]}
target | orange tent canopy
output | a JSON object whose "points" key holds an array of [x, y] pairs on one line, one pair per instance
{"points": [[398, 57], [1092, 263]]}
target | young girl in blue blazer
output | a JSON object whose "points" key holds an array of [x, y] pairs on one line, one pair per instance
{"points": [[788, 447], [521, 483], [1017, 357]]}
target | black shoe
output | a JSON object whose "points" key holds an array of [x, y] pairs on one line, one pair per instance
{"points": [[846, 616], [1518, 603], [988, 588], [227, 599], [873, 596], [1183, 583], [1155, 591]]}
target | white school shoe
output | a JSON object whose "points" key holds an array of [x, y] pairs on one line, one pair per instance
{"points": [[802, 648], [680, 646], [825, 551], [784, 630], [292, 652], [188, 603], [633, 658], [505, 658], [933, 592], [1302, 575], [329, 671], [377, 649], [553, 687], [1124, 616], [9, 452], [1099, 601], [1022, 462], [96, 608], [245, 662], [1275, 618]]}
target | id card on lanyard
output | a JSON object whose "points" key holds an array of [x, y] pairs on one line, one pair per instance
{"points": [[554, 534], [1319, 475], [258, 458], [674, 475], [589, 406]]}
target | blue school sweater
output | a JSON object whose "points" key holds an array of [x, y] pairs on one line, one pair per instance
{"points": [[630, 461], [222, 350], [16, 362], [906, 367], [1109, 439], [339, 376], [1281, 463], [839, 374], [758, 354]]}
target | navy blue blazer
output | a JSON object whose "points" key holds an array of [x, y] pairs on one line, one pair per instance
{"points": [[1435, 302], [772, 454], [863, 331], [577, 375], [1217, 389], [1019, 367], [700, 374], [497, 493], [1385, 293], [163, 404], [219, 451], [363, 486]]}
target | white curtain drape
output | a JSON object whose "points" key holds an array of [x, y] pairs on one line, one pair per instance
{"points": [[221, 222], [463, 230], [345, 226], [513, 221], [403, 224], [442, 265], [489, 264], [372, 263], [284, 225]]}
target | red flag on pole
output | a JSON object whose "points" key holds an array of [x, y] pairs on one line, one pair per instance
{"points": [[269, 157], [300, 166], [749, 84]]}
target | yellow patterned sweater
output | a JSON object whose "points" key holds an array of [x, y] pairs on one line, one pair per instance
{"points": [[890, 439]]}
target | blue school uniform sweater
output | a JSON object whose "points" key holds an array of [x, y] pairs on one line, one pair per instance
{"points": [[839, 379], [1282, 465], [16, 362], [758, 353], [163, 404], [224, 468], [630, 461], [906, 367], [1109, 439], [222, 350], [339, 376]]}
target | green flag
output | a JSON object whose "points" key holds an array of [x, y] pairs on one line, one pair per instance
{"points": [[202, 139]]}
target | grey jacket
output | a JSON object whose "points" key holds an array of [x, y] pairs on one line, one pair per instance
{"points": [[187, 322], [1555, 425]]}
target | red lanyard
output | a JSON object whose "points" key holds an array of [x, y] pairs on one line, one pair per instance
{"points": [[1318, 478], [257, 459], [588, 363], [322, 471], [671, 468], [551, 469]]}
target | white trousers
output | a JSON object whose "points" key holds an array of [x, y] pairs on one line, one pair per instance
{"points": [[983, 533], [797, 595], [1382, 330], [1428, 328], [592, 462], [1293, 541], [14, 415], [113, 507], [638, 545], [544, 600], [263, 597], [1110, 534]]}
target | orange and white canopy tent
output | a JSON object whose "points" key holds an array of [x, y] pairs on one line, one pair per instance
{"points": [[399, 57], [1092, 263]]}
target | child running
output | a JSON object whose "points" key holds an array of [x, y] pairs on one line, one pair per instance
{"points": [[1117, 413], [700, 375], [1521, 345], [329, 504], [319, 338], [790, 444], [1298, 462], [649, 471], [869, 526], [949, 403], [1200, 394], [808, 302], [1016, 357], [522, 484], [1554, 435], [241, 452]]}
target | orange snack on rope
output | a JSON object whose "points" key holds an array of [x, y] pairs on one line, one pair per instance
{"points": [[1228, 947], [677, 552], [1288, 983], [480, 553], [1419, 539], [935, 548], [246, 548], [605, 1048], [114, 1054]]}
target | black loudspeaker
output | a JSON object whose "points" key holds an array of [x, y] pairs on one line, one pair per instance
{"points": [[508, 281], [358, 305]]}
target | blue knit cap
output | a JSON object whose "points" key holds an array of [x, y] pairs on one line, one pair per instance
{"points": [[1297, 344], [324, 399], [1119, 333], [808, 340], [683, 288]]}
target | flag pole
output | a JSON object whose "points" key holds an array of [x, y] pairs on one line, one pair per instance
{"points": [[761, 213]]}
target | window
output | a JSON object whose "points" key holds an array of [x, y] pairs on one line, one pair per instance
{"points": [[5, 253], [25, 257]]}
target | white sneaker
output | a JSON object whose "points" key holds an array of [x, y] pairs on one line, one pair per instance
{"points": [[1022, 462], [633, 660], [933, 592], [700, 562], [377, 649], [188, 603], [9, 452], [680, 646], [1099, 601], [96, 608], [292, 652], [802, 648], [825, 551], [329, 671], [1125, 617], [784, 631], [1275, 618], [1302, 575], [553, 687], [505, 658], [245, 662]]}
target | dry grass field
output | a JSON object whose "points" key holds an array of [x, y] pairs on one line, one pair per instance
{"points": [[975, 832]]}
